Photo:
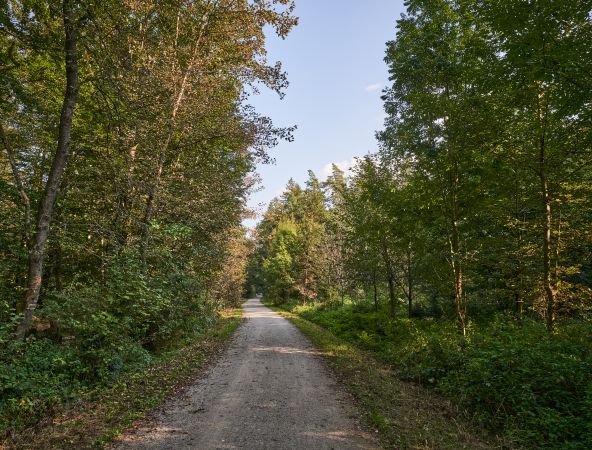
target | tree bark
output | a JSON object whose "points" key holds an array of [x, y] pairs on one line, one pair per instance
{"points": [[391, 287], [519, 306], [390, 279], [455, 257], [35, 272], [518, 271], [547, 227], [457, 271], [409, 283], [57, 267], [375, 290], [547, 215], [549, 291]]}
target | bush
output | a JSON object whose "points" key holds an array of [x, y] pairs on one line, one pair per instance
{"points": [[98, 331], [533, 385], [35, 376]]}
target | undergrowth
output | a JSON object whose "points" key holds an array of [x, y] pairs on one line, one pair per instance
{"points": [[516, 379], [89, 334], [68, 413]]}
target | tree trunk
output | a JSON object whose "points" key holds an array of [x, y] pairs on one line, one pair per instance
{"points": [[547, 215], [547, 283], [519, 306], [149, 212], [46, 204], [453, 176], [375, 290], [549, 291], [390, 279], [455, 257], [391, 287], [518, 271], [409, 283], [57, 267]]}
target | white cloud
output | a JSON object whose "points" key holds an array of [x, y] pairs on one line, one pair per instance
{"points": [[373, 87], [346, 166]]}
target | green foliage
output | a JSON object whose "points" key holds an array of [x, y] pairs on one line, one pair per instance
{"points": [[294, 254], [98, 332], [520, 379], [102, 412], [531, 383], [142, 243], [35, 376], [278, 265]]}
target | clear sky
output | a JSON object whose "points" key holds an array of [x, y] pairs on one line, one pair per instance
{"points": [[334, 62]]}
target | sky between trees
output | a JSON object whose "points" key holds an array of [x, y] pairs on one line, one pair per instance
{"points": [[334, 61]]}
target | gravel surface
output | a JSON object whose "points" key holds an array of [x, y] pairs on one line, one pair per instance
{"points": [[270, 390]]}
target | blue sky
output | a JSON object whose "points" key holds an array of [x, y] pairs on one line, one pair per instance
{"points": [[334, 62]]}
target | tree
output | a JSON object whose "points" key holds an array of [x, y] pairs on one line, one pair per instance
{"points": [[544, 60], [437, 117], [58, 165], [279, 265], [161, 119]]}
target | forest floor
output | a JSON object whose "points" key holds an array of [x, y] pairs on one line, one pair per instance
{"points": [[270, 390]]}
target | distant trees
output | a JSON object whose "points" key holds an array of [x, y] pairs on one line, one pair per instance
{"points": [[479, 198], [292, 242]]}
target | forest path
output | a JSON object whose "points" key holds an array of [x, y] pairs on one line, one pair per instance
{"points": [[270, 390]]}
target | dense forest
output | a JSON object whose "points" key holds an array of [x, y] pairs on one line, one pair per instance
{"points": [[127, 154], [461, 251]]}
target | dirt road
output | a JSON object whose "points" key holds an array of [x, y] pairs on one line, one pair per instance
{"points": [[270, 390]]}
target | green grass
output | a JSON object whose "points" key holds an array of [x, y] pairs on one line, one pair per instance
{"points": [[404, 415], [96, 418], [533, 387]]}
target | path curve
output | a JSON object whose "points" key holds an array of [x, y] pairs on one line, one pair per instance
{"points": [[270, 390]]}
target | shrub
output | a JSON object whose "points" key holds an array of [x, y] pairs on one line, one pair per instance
{"points": [[98, 331], [35, 376], [533, 385]]}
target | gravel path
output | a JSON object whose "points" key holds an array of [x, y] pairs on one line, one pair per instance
{"points": [[270, 390]]}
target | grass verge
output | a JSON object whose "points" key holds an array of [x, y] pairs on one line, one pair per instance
{"points": [[95, 419], [405, 415]]}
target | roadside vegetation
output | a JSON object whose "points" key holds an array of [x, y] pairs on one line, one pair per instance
{"points": [[517, 381], [127, 153], [404, 414], [100, 413], [460, 252]]}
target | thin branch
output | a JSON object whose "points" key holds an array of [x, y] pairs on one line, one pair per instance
{"points": [[19, 184]]}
